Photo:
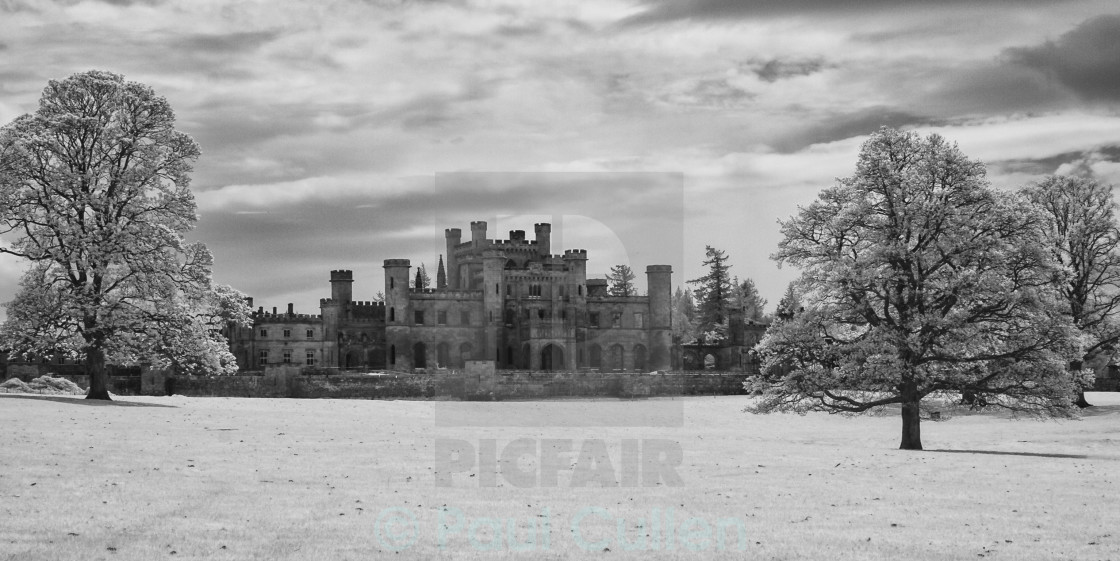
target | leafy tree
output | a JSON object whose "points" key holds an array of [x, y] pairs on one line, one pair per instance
{"points": [[1079, 229], [422, 279], [94, 185], [683, 317], [713, 291], [919, 279], [621, 278], [745, 296], [441, 275]]}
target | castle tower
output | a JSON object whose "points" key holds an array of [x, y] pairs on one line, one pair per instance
{"points": [[659, 282], [493, 300], [544, 238], [478, 233], [342, 286], [397, 327], [454, 237]]}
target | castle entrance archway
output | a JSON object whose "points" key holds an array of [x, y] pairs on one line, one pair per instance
{"points": [[552, 357]]}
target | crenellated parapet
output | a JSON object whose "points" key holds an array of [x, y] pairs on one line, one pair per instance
{"points": [[444, 294], [265, 317]]}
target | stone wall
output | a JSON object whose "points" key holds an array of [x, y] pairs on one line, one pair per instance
{"points": [[479, 381]]}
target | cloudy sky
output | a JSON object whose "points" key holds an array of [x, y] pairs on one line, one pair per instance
{"points": [[337, 134]]}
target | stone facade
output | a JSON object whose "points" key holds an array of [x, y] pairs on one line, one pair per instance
{"points": [[511, 302]]}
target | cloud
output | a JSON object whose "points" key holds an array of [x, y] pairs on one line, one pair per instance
{"points": [[671, 10], [1085, 59], [775, 69]]}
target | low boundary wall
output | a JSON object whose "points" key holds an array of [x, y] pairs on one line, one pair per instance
{"points": [[468, 384]]}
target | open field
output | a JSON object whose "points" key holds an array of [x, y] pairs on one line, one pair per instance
{"points": [[222, 478]]}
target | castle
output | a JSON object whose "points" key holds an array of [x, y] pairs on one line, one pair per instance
{"points": [[510, 301]]}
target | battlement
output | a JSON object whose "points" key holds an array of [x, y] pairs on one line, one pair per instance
{"points": [[659, 268], [265, 317], [351, 304], [444, 294], [453, 233], [397, 263], [575, 254], [342, 275]]}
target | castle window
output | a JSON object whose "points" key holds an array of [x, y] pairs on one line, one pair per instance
{"points": [[262, 358], [534, 290], [464, 318], [616, 319], [391, 283], [509, 289], [310, 357], [287, 333], [441, 317], [593, 319], [287, 356], [392, 314], [310, 333], [579, 289], [264, 333], [392, 354], [497, 288], [639, 320], [419, 317]]}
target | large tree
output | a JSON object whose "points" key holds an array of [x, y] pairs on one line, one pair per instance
{"points": [[94, 189], [1079, 229], [683, 317], [621, 280], [919, 279], [713, 291]]}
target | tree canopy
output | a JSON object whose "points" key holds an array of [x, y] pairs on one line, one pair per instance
{"points": [[918, 279], [95, 188]]}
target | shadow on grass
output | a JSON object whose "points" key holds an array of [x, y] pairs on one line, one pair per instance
{"points": [[79, 400], [998, 453], [1100, 410]]}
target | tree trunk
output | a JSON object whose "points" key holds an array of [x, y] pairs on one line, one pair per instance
{"points": [[1081, 403], [98, 377], [911, 427], [1081, 400]]}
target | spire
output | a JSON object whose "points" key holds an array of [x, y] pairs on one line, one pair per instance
{"points": [[441, 275], [419, 279]]}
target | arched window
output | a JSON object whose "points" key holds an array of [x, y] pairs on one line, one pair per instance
{"points": [[616, 357], [392, 314], [392, 354], [640, 358], [443, 355], [419, 355]]}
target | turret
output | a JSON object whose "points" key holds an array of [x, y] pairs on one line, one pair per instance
{"points": [[659, 284], [342, 286], [454, 237], [478, 233], [544, 238]]}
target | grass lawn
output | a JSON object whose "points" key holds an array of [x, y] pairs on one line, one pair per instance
{"points": [[220, 478]]}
